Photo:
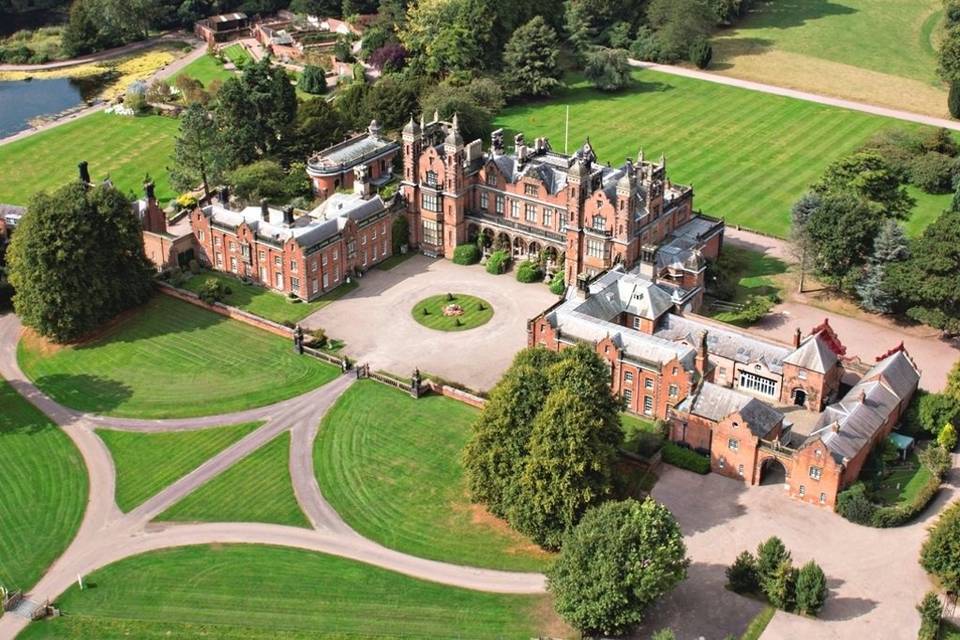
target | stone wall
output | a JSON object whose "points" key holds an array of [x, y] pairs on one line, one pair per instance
{"points": [[228, 311]]}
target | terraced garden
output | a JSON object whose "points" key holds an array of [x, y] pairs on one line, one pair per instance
{"points": [[260, 593], [44, 491], [389, 465], [172, 359]]}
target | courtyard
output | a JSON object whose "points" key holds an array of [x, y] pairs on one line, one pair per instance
{"points": [[376, 323]]}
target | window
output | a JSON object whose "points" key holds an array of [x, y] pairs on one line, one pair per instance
{"points": [[818, 453], [723, 372], [498, 203], [740, 470], [801, 374], [431, 232], [492, 179], [278, 280], [803, 491], [816, 472], [674, 371], [648, 404], [628, 376], [233, 246], [201, 235], [352, 247], [514, 209], [733, 444], [431, 179], [233, 264], [530, 189], [823, 498], [753, 382], [278, 261], [484, 200], [674, 391], [636, 322], [363, 239], [383, 228], [323, 259], [599, 222], [293, 266], [383, 251], [548, 217], [295, 284], [648, 383], [373, 235], [595, 248], [216, 241], [530, 213], [336, 254], [364, 257], [219, 259], [628, 395], [262, 256], [722, 462], [326, 280], [336, 273], [431, 202], [316, 285]]}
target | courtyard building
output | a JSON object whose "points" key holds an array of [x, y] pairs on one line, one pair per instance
{"points": [[222, 28], [568, 210]]}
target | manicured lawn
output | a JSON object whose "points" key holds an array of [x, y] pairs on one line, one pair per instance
{"points": [[265, 303], [206, 69], [172, 359], [237, 54], [901, 482], [929, 207], [749, 155], [429, 312], [390, 466], [146, 463], [255, 489], [122, 147], [242, 592], [44, 491], [752, 274]]}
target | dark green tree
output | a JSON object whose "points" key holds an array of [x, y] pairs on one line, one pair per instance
{"points": [[351, 103], [450, 36], [742, 574], [607, 69], [531, 59], [953, 99], [701, 53], [780, 588], [318, 126], [891, 245], [949, 62], [313, 80], [392, 100], [474, 119], [868, 175], [770, 555], [680, 23], [841, 232], [811, 589], [198, 156], [319, 8], [931, 616], [615, 564], [267, 179], [77, 260]]}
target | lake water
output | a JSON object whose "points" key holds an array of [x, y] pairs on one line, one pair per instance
{"points": [[23, 100]]}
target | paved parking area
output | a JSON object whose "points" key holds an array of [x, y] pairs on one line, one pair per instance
{"points": [[375, 321], [873, 574]]}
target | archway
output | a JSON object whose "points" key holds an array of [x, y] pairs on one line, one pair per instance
{"points": [[533, 252], [772, 471], [487, 238], [472, 232], [503, 242], [800, 397], [519, 247]]}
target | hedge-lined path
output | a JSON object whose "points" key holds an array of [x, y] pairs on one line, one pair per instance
{"points": [[107, 535]]}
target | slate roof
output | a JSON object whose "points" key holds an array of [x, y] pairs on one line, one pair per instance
{"points": [[616, 292], [724, 342], [813, 354], [11, 213], [849, 425], [715, 402], [348, 153]]}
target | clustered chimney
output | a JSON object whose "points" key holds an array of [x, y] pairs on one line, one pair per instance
{"points": [[520, 148], [224, 196], [288, 215], [264, 210], [702, 355], [496, 142], [148, 190], [796, 338], [84, 172]]}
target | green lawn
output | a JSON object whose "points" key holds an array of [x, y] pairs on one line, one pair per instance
{"points": [[265, 303], [44, 491], [749, 273], [429, 312], [172, 359], [255, 489], [749, 155], [640, 436], [900, 484], [759, 624], [390, 466], [146, 463], [122, 147], [206, 69], [237, 54], [928, 208], [240, 592]]}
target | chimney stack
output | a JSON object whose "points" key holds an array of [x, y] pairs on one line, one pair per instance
{"points": [[84, 172], [520, 148], [148, 190], [224, 196], [702, 355], [361, 181], [796, 338], [496, 142], [264, 210], [288, 215]]}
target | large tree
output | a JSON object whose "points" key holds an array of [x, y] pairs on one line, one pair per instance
{"points": [[77, 260], [875, 291], [680, 23], [318, 126], [868, 175], [446, 36], [198, 156], [531, 59], [615, 564], [256, 112], [607, 69], [475, 118], [841, 232]]}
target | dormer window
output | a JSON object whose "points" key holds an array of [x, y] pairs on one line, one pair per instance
{"points": [[431, 178], [492, 179], [599, 222], [530, 189]]}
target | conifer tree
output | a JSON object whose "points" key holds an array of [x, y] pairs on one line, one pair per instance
{"points": [[531, 59]]}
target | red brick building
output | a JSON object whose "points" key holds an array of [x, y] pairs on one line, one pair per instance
{"points": [[222, 28], [332, 169], [579, 215], [162, 248]]}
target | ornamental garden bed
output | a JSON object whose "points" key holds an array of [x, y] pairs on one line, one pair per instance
{"points": [[452, 312]]}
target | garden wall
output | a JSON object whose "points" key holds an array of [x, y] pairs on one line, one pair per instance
{"points": [[456, 394], [225, 310]]}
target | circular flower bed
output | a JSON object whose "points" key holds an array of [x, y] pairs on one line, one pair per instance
{"points": [[452, 312]]}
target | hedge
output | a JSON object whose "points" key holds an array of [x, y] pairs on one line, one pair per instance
{"points": [[854, 505], [940, 554], [498, 262], [529, 272], [466, 254], [685, 458], [557, 285]]}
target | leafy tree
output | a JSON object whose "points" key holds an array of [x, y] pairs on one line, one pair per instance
{"points": [[867, 175], [475, 120], [77, 260], [620, 559], [256, 112], [840, 234], [680, 23], [607, 69], [940, 553], [953, 382], [948, 437], [811, 589], [318, 126], [931, 616], [390, 57], [198, 156], [618, 35], [446, 36], [267, 179], [701, 53], [392, 100], [939, 140], [95, 25], [358, 7], [374, 38], [770, 555], [936, 410], [645, 45], [953, 99], [531, 59], [781, 587], [351, 103], [936, 459], [933, 172], [313, 80], [949, 63], [343, 48], [742, 574], [600, 22], [191, 90]]}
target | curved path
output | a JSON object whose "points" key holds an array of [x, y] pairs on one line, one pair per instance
{"points": [[107, 535]]}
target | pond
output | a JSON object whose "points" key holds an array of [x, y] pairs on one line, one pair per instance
{"points": [[23, 100]]}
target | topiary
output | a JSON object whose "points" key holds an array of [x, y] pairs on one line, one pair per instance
{"points": [[529, 272]]}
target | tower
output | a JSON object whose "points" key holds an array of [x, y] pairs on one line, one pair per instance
{"points": [[454, 218], [578, 179], [412, 137]]}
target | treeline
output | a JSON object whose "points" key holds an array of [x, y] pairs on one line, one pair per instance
{"points": [[848, 228]]}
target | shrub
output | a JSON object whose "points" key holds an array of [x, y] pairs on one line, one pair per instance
{"points": [[811, 589], [755, 308], [933, 172], [931, 616], [466, 254], [194, 266], [186, 201], [771, 555], [742, 574], [212, 290], [318, 338], [645, 45], [947, 437], [685, 458], [313, 80], [953, 99], [529, 272], [701, 53], [936, 459], [498, 262], [940, 553], [936, 410], [781, 587], [557, 285], [853, 504], [607, 69]]}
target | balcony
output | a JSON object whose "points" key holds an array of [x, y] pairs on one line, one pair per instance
{"points": [[505, 223]]}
